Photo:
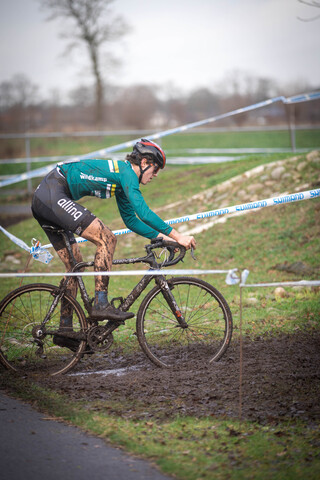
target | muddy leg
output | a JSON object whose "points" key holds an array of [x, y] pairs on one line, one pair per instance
{"points": [[105, 242], [66, 309]]}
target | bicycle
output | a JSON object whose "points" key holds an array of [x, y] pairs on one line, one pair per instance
{"points": [[179, 319]]}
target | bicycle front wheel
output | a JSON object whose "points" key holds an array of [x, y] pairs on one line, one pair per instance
{"points": [[21, 313], [208, 318]]}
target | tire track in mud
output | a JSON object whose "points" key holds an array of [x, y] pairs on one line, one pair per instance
{"points": [[280, 381]]}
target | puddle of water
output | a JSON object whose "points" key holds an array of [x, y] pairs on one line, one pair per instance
{"points": [[116, 371]]}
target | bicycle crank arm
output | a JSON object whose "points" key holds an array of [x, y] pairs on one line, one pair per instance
{"points": [[108, 329]]}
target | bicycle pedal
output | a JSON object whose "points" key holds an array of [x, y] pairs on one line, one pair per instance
{"points": [[116, 299], [115, 323]]}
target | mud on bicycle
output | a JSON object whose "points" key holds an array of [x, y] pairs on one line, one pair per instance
{"points": [[178, 320]]}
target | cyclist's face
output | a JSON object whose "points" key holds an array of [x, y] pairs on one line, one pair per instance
{"points": [[149, 174]]}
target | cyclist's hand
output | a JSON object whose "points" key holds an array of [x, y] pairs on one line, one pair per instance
{"points": [[168, 239], [187, 241]]}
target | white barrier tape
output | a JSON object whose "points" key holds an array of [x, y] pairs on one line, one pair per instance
{"points": [[173, 160], [300, 283], [36, 250], [201, 151], [183, 128], [305, 97], [10, 161], [15, 240], [268, 202], [295, 197], [230, 274], [38, 172]]}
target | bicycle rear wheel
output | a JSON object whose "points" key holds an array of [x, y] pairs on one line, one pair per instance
{"points": [[208, 317], [21, 314]]}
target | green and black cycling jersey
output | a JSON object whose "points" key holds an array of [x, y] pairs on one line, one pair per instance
{"points": [[107, 178]]}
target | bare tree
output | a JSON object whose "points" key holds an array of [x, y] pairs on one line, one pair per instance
{"points": [[94, 27], [18, 100], [137, 105], [201, 104], [311, 3]]}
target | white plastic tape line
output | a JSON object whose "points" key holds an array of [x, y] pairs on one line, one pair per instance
{"points": [[40, 252], [300, 283], [36, 250], [231, 278], [15, 239], [268, 202], [304, 97], [99, 153]]}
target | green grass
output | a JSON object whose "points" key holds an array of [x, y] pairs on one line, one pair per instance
{"points": [[257, 241], [82, 145], [266, 139], [173, 179], [299, 310], [191, 448], [206, 448]]}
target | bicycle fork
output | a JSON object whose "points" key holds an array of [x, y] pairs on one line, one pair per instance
{"points": [[167, 293]]}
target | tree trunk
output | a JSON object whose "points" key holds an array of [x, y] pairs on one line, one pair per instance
{"points": [[98, 86]]}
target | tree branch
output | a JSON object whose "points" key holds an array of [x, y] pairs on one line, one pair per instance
{"points": [[313, 3]]}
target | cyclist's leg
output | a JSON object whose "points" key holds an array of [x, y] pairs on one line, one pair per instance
{"points": [[52, 201], [66, 313], [52, 205], [105, 241]]}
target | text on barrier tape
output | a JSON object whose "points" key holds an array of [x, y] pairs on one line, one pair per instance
{"points": [[41, 253]]}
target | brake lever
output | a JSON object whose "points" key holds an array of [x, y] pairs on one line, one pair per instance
{"points": [[192, 253]]}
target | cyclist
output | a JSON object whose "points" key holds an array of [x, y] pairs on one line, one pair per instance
{"points": [[54, 203]]}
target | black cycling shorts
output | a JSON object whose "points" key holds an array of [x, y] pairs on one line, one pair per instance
{"points": [[52, 205]]}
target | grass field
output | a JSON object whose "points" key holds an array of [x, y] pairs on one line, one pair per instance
{"points": [[82, 145], [208, 448], [190, 139]]}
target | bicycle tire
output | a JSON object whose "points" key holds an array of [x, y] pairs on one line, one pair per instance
{"points": [[23, 309], [205, 310]]}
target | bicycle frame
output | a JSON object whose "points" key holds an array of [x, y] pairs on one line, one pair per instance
{"points": [[166, 334], [131, 297], [126, 303]]}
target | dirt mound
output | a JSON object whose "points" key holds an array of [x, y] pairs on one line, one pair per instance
{"points": [[280, 381]]}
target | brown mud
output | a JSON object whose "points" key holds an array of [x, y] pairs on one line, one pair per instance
{"points": [[280, 382]]}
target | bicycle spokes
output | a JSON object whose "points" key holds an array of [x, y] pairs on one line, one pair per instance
{"points": [[28, 331], [205, 330]]}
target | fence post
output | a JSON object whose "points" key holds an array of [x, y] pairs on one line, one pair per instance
{"points": [[291, 121], [28, 162], [241, 358]]}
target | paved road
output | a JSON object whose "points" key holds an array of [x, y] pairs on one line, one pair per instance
{"points": [[33, 447]]}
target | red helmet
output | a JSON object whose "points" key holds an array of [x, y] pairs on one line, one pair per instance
{"points": [[147, 147]]}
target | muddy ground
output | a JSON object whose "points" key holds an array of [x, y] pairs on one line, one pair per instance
{"points": [[280, 382]]}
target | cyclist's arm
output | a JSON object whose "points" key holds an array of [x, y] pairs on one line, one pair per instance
{"points": [[131, 191], [131, 221]]}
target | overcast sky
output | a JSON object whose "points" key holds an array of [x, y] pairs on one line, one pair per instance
{"points": [[191, 43]]}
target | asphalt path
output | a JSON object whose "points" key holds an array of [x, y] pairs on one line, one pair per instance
{"points": [[33, 446]]}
